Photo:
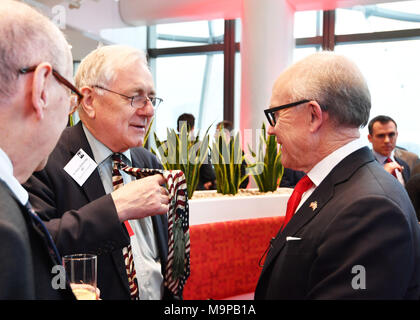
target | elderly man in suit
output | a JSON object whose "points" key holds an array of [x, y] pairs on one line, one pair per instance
{"points": [[35, 102], [90, 216], [383, 136], [347, 217]]}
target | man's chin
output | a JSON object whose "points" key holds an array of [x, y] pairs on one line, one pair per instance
{"points": [[42, 164]]}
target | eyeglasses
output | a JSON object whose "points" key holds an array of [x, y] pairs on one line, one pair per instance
{"points": [[137, 101], [271, 112], [76, 97]]}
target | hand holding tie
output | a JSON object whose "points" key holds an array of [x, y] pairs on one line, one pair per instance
{"points": [[141, 198]]}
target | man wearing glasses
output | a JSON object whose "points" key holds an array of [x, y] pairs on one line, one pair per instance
{"points": [[350, 231], [35, 101], [117, 107]]}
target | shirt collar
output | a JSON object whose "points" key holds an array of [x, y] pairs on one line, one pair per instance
{"points": [[325, 166], [381, 159], [6, 174], [100, 151]]}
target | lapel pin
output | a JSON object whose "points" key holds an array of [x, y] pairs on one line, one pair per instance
{"points": [[313, 205]]}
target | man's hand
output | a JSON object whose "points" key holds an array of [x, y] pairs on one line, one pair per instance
{"points": [[141, 198], [392, 166]]}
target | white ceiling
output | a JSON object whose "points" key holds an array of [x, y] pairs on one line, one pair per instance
{"points": [[86, 18]]}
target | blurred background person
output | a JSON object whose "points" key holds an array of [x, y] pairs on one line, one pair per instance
{"points": [[383, 136]]}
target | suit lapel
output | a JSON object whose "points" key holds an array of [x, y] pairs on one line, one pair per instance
{"points": [[93, 187], [406, 170], [322, 194]]}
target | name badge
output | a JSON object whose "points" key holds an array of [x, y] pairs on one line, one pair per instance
{"points": [[80, 167]]}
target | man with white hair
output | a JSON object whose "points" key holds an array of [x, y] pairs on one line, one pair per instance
{"points": [[350, 231], [117, 108], [35, 102]]}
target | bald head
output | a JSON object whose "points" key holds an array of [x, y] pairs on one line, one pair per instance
{"points": [[332, 80], [27, 38]]}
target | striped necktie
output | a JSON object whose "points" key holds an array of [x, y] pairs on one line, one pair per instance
{"points": [[117, 182], [178, 264]]}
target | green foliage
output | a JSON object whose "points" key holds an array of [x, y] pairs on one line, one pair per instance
{"points": [[267, 170], [227, 157], [179, 152]]}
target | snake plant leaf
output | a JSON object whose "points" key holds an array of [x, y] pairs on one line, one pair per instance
{"points": [[268, 176]]}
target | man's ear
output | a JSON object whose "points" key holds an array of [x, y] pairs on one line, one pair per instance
{"points": [[370, 138], [87, 102], [317, 116], [40, 93]]}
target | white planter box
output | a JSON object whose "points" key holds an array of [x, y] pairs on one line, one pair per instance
{"points": [[227, 208]]}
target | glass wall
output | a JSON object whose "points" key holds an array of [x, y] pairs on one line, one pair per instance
{"points": [[188, 61], [189, 84]]}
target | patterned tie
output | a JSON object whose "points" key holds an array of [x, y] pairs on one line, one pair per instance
{"points": [[388, 160], [302, 186], [178, 264], [52, 249], [117, 182]]}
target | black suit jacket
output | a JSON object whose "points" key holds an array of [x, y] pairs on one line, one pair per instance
{"points": [[84, 219], [26, 265], [362, 217], [406, 169]]}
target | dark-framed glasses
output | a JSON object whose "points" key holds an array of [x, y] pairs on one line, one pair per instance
{"points": [[270, 113], [138, 101], [76, 97]]}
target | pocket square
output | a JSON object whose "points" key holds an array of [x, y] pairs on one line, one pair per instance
{"points": [[293, 239]]}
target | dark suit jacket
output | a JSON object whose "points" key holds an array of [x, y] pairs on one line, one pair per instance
{"points": [[363, 217], [406, 171], [84, 219], [26, 265]]}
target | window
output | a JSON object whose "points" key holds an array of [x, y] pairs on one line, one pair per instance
{"points": [[393, 83], [197, 71]]}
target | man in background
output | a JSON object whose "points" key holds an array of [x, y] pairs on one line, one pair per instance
{"points": [[383, 136]]}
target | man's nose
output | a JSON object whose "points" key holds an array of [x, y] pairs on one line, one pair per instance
{"points": [[147, 110], [270, 130]]}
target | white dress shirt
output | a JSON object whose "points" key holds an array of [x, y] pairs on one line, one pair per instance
{"points": [[382, 160], [6, 174], [320, 171], [143, 242]]}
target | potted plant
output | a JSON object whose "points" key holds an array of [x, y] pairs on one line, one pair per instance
{"points": [[179, 152], [267, 170], [227, 158]]}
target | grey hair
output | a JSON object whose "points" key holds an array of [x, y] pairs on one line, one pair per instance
{"points": [[27, 38], [100, 66], [336, 83]]}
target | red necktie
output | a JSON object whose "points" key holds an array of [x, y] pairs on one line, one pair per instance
{"points": [[302, 186], [388, 160]]}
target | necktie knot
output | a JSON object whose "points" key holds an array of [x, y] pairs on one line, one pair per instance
{"points": [[117, 157], [303, 185], [388, 160]]}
